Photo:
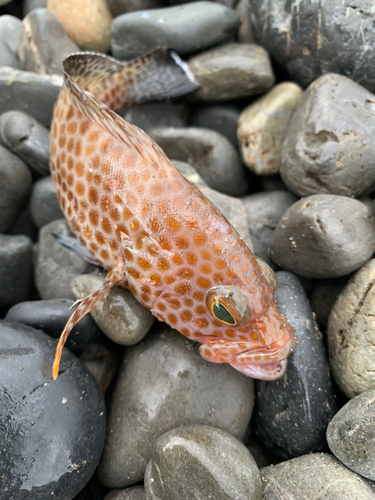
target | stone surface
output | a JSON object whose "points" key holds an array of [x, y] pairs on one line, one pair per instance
{"points": [[323, 297], [158, 114], [118, 7], [7, 58], [88, 24], [244, 33], [324, 236], [134, 493], [52, 432], [317, 476], [10, 33], [25, 225], [102, 362], [44, 205], [292, 414], [29, 5], [189, 172], [351, 434], [222, 118], [203, 24], [119, 315], [351, 333], [209, 152], [329, 147], [262, 128], [232, 71], [201, 462], [162, 384]]}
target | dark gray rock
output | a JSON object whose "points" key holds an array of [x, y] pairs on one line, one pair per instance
{"points": [[323, 296], [52, 432], [134, 493], [185, 28], [189, 172], [318, 475], [164, 383], [118, 7], [273, 183], [292, 414], [25, 225], [102, 362], [158, 114], [10, 32], [209, 152], [201, 462], [329, 146], [232, 71], [222, 118], [324, 236], [44, 205]]}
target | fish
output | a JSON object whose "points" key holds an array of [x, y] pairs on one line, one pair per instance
{"points": [[151, 229]]}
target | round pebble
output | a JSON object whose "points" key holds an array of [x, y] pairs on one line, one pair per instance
{"points": [[220, 117], [44, 205], [158, 114]]}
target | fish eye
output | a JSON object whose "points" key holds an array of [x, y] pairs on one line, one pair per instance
{"points": [[228, 304], [222, 314]]}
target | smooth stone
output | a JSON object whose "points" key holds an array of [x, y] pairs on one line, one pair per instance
{"points": [[189, 172], [26, 91], [324, 236], [158, 114], [52, 431], [292, 414], [15, 186], [317, 476], [323, 296], [133, 493], [102, 362], [351, 434], [263, 212], [232, 71], [44, 205], [29, 5], [56, 265], [7, 58], [44, 43], [209, 152], [262, 128], [203, 24], [164, 383], [88, 24], [118, 7], [351, 333], [51, 316], [329, 147], [210, 463], [10, 32], [222, 118], [16, 269], [25, 225], [27, 138], [119, 315]]}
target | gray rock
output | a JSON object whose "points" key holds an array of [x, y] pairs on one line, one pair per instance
{"points": [[44, 205], [323, 296], [324, 236], [25, 225], [273, 183], [118, 7], [164, 383], [185, 28], [209, 152], [10, 32], [15, 186], [158, 114], [189, 172], [222, 118], [317, 476], [7, 58], [29, 5], [102, 362], [133, 493], [245, 32], [351, 434], [232, 71], [201, 462], [329, 147]]}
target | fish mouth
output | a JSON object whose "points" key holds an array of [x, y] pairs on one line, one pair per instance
{"points": [[269, 372]]}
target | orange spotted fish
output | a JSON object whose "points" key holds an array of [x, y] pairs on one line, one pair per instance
{"points": [[156, 233]]}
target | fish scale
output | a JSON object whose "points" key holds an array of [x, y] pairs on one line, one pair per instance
{"points": [[156, 233]]}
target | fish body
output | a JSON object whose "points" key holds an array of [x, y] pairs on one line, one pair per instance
{"points": [[156, 233]]}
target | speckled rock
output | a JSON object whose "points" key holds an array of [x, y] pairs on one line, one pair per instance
{"points": [[45, 206], [220, 117], [210, 463], [134, 493], [262, 128], [323, 297], [158, 114], [189, 172], [324, 236], [317, 476], [232, 71], [162, 384]]}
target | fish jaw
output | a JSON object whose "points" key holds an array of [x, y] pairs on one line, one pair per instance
{"points": [[269, 372]]}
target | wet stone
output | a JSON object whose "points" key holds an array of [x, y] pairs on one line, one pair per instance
{"points": [[102, 362], [203, 25], [222, 118], [189, 172], [158, 114], [52, 432], [292, 413], [210, 463], [45, 206], [134, 493], [162, 384], [324, 236], [232, 71]]}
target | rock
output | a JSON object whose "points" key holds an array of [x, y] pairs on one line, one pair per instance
{"points": [[7, 58], [209, 152], [118, 7], [201, 462], [164, 383], [323, 297], [232, 71], [311, 38], [16, 269], [119, 315], [44, 43], [189, 172], [57, 265], [51, 316], [45, 206], [25, 225], [158, 114], [203, 25], [15, 186], [134, 493], [28, 92], [263, 211], [292, 414], [351, 434], [245, 33], [102, 362], [222, 118], [52, 432], [351, 333], [29, 5], [329, 147], [262, 128], [88, 24], [28, 139], [272, 183], [318, 475], [324, 236], [10, 32]]}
